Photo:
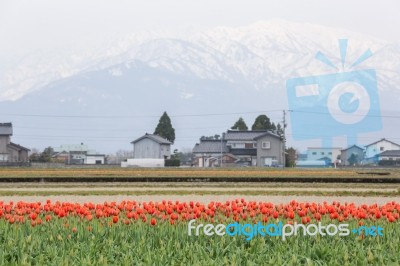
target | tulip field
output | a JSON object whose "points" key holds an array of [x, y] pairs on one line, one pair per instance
{"points": [[156, 233]]}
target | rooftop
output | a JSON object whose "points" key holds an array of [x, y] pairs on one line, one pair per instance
{"points": [[248, 135], [382, 140], [210, 146], [156, 138], [71, 147], [353, 146], [6, 129], [391, 153]]}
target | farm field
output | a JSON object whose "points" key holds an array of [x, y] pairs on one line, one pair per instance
{"points": [[146, 223], [143, 233], [170, 189], [195, 172]]}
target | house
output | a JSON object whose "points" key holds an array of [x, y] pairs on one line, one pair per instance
{"points": [[327, 154], [151, 146], [243, 145], [353, 155], [77, 154], [250, 148], [390, 155], [208, 153], [9, 151], [372, 150], [269, 149]]}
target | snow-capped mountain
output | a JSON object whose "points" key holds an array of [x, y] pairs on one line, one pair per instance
{"points": [[223, 70]]}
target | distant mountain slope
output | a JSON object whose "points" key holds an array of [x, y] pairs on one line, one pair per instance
{"points": [[224, 70]]}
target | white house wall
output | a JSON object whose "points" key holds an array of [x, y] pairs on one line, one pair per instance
{"points": [[375, 149], [93, 159]]}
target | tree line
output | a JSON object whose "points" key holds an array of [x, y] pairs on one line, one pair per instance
{"points": [[262, 122]]}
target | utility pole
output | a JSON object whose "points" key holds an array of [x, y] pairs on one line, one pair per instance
{"points": [[221, 152], [284, 137]]}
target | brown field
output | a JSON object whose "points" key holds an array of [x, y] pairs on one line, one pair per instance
{"points": [[195, 172]]}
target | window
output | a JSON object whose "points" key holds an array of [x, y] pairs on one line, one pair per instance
{"points": [[254, 145], [314, 153], [330, 153], [382, 148], [266, 145], [233, 145], [322, 153]]}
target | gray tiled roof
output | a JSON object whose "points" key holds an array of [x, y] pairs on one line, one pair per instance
{"points": [[6, 129], [243, 135], [17, 146], [156, 138], [394, 153], [210, 146], [250, 135]]}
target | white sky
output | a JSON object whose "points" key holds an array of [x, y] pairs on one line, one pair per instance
{"points": [[27, 25]]}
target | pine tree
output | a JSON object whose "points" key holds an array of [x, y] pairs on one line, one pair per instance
{"points": [[240, 125], [279, 130], [262, 122], [164, 128]]}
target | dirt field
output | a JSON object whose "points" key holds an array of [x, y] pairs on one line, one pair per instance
{"points": [[202, 198]]}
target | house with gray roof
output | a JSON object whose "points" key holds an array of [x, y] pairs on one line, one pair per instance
{"points": [[390, 155], [352, 155], [10, 152], [208, 153], [250, 148], [256, 147], [374, 149], [150, 146]]}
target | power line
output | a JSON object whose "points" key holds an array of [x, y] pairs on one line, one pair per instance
{"points": [[135, 116], [327, 113], [179, 115], [108, 130]]}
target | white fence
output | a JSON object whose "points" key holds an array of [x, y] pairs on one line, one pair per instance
{"points": [[143, 163]]}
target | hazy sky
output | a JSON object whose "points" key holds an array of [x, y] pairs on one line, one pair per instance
{"points": [[49, 25], [26, 25]]}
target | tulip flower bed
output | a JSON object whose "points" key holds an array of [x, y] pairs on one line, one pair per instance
{"points": [[134, 233]]}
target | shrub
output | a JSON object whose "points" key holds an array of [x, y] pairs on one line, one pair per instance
{"points": [[172, 162]]}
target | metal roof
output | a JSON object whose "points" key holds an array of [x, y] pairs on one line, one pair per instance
{"points": [[17, 146], [210, 146], [72, 147], [6, 129], [394, 153], [353, 146], [244, 135], [156, 138]]}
